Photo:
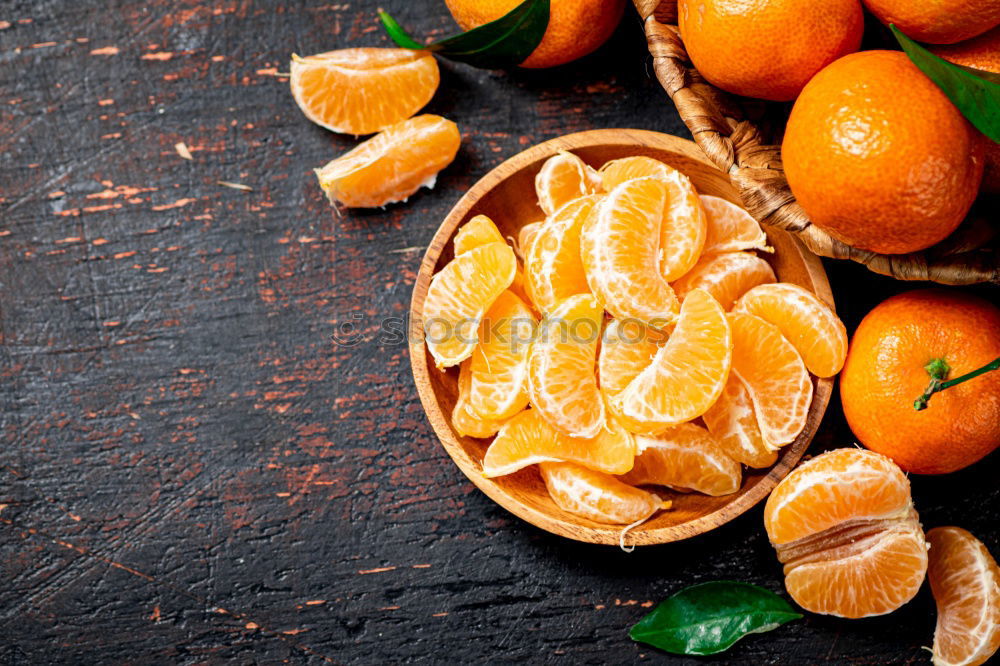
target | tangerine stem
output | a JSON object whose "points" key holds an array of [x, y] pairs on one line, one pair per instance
{"points": [[938, 370]]}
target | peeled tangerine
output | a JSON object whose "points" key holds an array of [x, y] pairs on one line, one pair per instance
{"points": [[393, 164], [499, 387], [685, 457], [463, 420], [599, 497], [563, 178], [844, 526], [732, 420]]}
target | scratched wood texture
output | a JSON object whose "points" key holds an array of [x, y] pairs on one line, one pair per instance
{"points": [[212, 448]]}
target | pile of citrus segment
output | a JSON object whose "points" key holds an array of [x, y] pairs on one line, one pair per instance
{"points": [[634, 338]]}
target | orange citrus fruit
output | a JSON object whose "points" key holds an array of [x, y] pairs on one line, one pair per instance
{"points": [[363, 90], [576, 27], [886, 372], [458, 297], [552, 265], [808, 323], [774, 376], [627, 348], [599, 497], [965, 580], [563, 178], [393, 164], [687, 374], [726, 276], [767, 48], [879, 157], [527, 234], [684, 457], [462, 419], [844, 528], [480, 230], [562, 367], [938, 21], [730, 228], [732, 420], [528, 438], [499, 387]]}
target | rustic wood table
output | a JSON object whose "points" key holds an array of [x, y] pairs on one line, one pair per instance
{"points": [[212, 452]]}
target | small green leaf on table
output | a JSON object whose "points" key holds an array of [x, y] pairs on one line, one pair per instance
{"points": [[974, 92], [505, 42], [710, 617]]}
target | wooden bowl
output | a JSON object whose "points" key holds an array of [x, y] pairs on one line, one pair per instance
{"points": [[507, 195]]}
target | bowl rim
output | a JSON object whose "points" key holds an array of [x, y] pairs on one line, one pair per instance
{"points": [[607, 534]]}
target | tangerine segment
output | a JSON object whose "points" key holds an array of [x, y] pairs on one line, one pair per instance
{"points": [[562, 379], [552, 266], [620, 251], [499, 387], [563, 178], [526, 235], [774, 375], [965, 581], [528, 438], [726, 276], [730, 228], [480, 230], [393, 164], [616, 172], [363, 90], [599, 497], [458, 297], [462, 419], [733, 422], [627, 347], [687, 374], [684, 457], [808, 323]]}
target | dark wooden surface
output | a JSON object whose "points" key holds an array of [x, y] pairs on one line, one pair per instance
{"points": [[194, 470]]}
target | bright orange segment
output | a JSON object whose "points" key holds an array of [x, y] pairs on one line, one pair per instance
{"points": [[627, 347], [462, 419], [687, 374], [499, 387], [726, 276], [393, 164], [552, 266], [599, 497], [526, 235], [965, 581], [621, 253], [616, 172], [363, 90], [774, 375], [733, 422], [563, 178], [562, 377], [843, 525], [730, 228], [480, 230], [684, 457], [808, 323], [458, 297], [528, 438]]}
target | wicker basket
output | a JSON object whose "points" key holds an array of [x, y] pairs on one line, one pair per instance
{"points": [[740, 136]]}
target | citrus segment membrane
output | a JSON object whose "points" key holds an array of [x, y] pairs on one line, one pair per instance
{"points": [[599, 497], [462, 419], [730, 228], [732, 420], [684, 457], [499, 387], [563, 178], [726, 276]]}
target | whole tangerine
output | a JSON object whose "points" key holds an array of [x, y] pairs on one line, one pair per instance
{"points": [[938, 21], [879, 157], [576, 27], [767, 48], [899, 347]]}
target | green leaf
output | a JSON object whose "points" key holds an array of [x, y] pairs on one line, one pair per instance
{"points": [[976, 95], [710, 617], [505, 42]]}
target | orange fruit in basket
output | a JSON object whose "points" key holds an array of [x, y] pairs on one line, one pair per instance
{"points": [[627, 348], [528, 438], [393, 164], [879, 157], [562, 367], [576, 27], [621, 251], [499, 387], [887, 370], [563, 178], [684, 457], [730, 228], [811, 325], [462, 419], [458, 297], [767, 48], [940, 21], [597, 496], [844, 528], [774, 376], [965, 580], [552, 266], [732, 420], [363, 90], [687, 374], [726, 276]]}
